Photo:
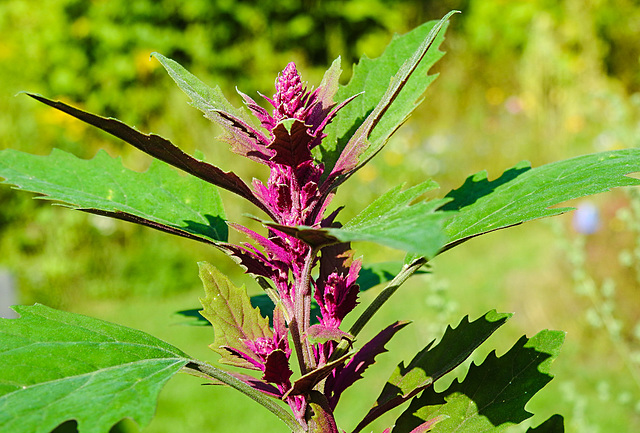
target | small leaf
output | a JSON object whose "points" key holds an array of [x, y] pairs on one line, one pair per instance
{"points": [[322, 419], [321, 334], [58, 366], [523, 193], [493, 394], [391, 220], [433, 362], [229, 310], [161, 198], [363, 358], [305, 383], [291, 143]]}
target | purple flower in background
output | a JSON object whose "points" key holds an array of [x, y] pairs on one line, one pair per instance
{"points": [[586, 218]]}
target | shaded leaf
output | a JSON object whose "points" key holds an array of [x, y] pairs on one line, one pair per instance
{"points": [[322, 419], [305, 383], [391, 84], [493, 394], [523, 193], [58, 366], [161, 197], [161, 149], [433, 362], [229, 310], [555, 424]]}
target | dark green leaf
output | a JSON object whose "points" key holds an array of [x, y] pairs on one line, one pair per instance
{"points": [[161, 197], [523, 193], [493, 394], [433, 362], [58, 366]]}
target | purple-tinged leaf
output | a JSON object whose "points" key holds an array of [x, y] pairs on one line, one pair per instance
{"points": [[234, 320], [383, 117], [321, 334], [277, 368], [306, 383], [322, 419], [291, 143], [161, 149], [363, 358], [243, 139], [428, 425], [433, 362]]}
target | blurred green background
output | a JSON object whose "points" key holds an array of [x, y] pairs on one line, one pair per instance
{"points": [[538, 80]]}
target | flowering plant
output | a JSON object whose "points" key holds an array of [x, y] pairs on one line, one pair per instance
{"points": [[312, 140]]}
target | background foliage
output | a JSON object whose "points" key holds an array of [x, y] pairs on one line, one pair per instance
{"points": [[538, 80]]}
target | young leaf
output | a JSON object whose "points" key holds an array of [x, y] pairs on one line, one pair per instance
{"points": [[390, 220], [392, 85], [161, 149], [161, 198], [493, 394], [523, 193], [58, 366], [433, 362], [229, 310]]}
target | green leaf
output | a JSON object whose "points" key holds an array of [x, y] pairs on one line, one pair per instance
{"points": [[523, 193], [433, 362], [555, 424], [391, 220], [161, 198], [58, 366], [493, 395], [206, 99], [234, 319], [391, 86]]}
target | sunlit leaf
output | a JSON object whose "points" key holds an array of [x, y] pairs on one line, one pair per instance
{"points": [[58, 366], [161, 197]]}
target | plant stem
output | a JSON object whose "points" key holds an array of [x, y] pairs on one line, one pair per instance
{"points": [[257, 396], [302, 313], [390, 289]]}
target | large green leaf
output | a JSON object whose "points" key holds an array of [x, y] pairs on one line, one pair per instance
{"points": [[433, 362], [523, 193], [493, 395], [234, 319], [393, 220], [391, 86], [161, 197], [58, 366]]}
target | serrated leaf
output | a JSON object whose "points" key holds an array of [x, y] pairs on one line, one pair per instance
{"points": [[391, 84], [391, 220], [493, 394], [58, 366], [161, 149], [523, 193], [433, 362], [290, 143], [161, 198], [234, 319]]}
